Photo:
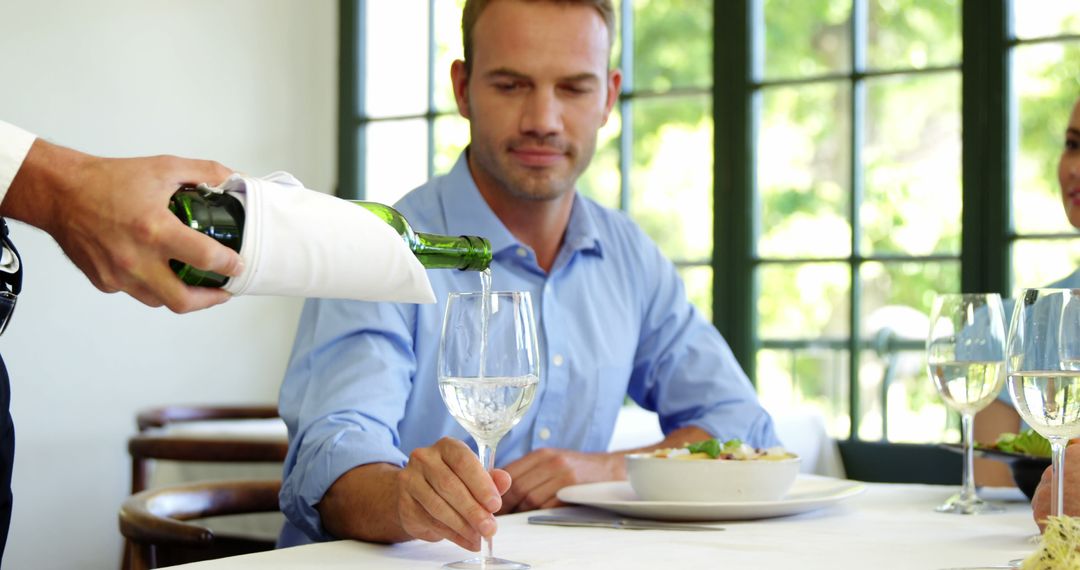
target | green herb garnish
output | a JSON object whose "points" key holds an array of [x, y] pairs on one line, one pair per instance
{"points": [[1027, 442], [710, 447], [713, 448]]}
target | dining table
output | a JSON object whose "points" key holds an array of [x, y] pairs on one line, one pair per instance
{"points": [[877, 526]]}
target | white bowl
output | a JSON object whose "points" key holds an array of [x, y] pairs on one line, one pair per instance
{"points": [[710, 480]]}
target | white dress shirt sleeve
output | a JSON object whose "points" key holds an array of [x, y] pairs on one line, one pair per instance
{"points": [[14, 144]]}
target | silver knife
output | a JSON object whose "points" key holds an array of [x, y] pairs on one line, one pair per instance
{"points": [[631, 524]]}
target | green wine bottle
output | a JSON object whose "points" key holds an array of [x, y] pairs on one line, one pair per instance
{"points": [[221, 216]]}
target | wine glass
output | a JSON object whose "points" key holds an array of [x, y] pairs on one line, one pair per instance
{"points": [[489, 368], [965, 356], [1044, 371]]}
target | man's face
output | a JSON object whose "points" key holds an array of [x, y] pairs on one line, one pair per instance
{"points": [[538, 91], [1069, 168]]}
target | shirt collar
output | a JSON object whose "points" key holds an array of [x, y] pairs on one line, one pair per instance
{"points": [[467, 213]]}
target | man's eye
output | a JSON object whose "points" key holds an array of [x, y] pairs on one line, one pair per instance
{"points": [[576, 89], [508, 87], [1072, 144]]}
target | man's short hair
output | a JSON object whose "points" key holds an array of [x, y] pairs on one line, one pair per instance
{"points": [[473, 8]]}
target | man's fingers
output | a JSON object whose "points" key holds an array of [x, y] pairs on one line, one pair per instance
{"points": [[502, 480], [199, 250], [188, 171], [468, 469], [421, 524], [163, 287]]}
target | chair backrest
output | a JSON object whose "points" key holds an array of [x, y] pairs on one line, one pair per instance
{"points": [[154, 521], [160, 417], [155, 442]]}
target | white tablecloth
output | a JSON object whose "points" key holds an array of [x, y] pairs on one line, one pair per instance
{"points": [[887, 527]]}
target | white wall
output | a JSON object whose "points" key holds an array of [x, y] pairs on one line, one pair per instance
{"points": [[250, 83]]}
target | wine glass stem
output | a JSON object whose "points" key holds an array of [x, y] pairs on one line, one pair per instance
{"points": [[486, 452], [1057, 497], [967, 490]]}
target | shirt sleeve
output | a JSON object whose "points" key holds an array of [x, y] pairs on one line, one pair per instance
{"points": [[14, 145], [685, 371], [343, 396]]}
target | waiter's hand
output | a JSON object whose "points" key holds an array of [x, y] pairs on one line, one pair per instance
{"points": [[111, 217]]}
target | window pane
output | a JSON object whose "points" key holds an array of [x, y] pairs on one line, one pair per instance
{"points": [[1046, 88], [806, 37], [915, 413], [451, 137], [672, 44], [912, 199], [804, 149], [397, 55], [898, 295], [447, 49], [803, 301], [896, 301], [396, 159], [671, 177], [806, 378], [601, 179], [913, 34], [698, 281], [1038, 263], [1041, 18]]}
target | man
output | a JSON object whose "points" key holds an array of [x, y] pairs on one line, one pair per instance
{"points": [[374, 455], [110, 217]]}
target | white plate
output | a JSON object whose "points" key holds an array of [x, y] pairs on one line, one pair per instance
{"points": [[809, 492]]}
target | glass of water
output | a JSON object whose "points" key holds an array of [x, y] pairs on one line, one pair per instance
{"points": [[1044, 371], [965, 356], [489, 369]]}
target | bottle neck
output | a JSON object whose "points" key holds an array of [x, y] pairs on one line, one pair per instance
{"points": [[468, 253]]}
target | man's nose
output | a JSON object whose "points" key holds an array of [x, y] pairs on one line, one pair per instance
{"points": [[541, 115]]}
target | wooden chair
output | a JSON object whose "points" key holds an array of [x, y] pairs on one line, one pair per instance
{"points": [[154, 522], [149, 445], [159, 417]]}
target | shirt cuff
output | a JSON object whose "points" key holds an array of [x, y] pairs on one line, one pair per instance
{"points": [[318, 466], [14, 145]]}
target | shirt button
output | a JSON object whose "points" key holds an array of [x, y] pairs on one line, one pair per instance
{"points": [[522, 252], [557, 360], [545, 434]]}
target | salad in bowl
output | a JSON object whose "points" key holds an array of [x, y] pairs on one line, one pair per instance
{"points": [[712, 471]]}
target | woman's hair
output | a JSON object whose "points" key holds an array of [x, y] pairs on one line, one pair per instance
{"points": [[473, 8]]}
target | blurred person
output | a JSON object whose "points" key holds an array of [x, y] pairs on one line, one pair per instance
{"points": [[374, 455], [1000, 416], [110, 217], [1069, 179]]}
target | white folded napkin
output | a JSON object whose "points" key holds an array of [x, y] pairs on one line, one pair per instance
{"points": [[302, 243]]}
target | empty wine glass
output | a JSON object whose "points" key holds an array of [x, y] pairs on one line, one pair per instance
{"points": [[965, 356], [1044, 371], [489, 368]]}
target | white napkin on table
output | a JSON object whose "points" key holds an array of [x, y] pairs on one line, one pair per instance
{"points": [[302, 243]]}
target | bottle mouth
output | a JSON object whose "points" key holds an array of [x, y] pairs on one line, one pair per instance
{"points": [[479, 256]]}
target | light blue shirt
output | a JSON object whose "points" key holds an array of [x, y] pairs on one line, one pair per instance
{"points": [[1072, 281], [613, 320]]}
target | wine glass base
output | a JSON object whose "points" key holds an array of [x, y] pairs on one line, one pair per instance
{"points": [[485, 563], [956, 505]]}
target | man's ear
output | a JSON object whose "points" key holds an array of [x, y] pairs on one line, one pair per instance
{"points": [[459, 78], [614, 84]]}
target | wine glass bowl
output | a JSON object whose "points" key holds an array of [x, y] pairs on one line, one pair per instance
{"points": [[489, 370], [1043, 367], [965, 357]]}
